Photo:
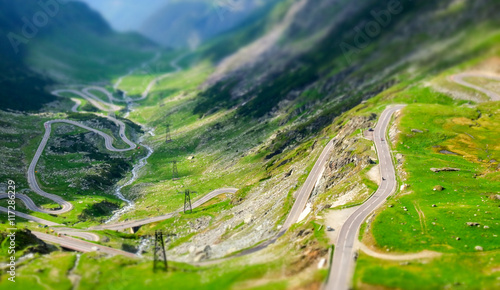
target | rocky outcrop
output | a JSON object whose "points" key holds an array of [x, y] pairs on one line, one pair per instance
{"points": [[202, 254], [444, 169], [343, 153]]}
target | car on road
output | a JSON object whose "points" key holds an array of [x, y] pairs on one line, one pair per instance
{"points": [[382, 139]]}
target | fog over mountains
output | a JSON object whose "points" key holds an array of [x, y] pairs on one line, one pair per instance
{"points": [[176, 23], [126, 15]]}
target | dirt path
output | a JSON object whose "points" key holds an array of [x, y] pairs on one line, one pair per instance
{"points": [[398, 257]]}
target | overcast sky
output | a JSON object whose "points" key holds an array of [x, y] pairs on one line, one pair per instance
{"points": [[126, 15]]}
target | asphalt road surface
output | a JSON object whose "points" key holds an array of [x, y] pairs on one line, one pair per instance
{"points": [[66, 206], [30, 217], [80, 246], [32, 181], [343, 261], [343, 256], [138, 223], [58, 228], [100, 104], [459, 79]]}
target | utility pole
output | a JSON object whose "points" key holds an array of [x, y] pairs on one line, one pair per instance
{"points": [[187, 200], [159, 252], [168, 137], [175, 173]]}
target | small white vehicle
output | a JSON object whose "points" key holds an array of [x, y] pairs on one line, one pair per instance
{"points": [[329, 228]]}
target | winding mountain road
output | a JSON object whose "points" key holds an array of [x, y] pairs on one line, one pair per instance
{"points": [[86, 94], [91, 98], [81, 246], [32, 181], [343, 256], [27, 216], [459, 79], [138, 223], [343, 260]]}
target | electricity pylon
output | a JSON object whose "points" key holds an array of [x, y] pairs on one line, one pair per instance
{"points": [[168, 137], [159, 253], [187, 200], [175, 173]]}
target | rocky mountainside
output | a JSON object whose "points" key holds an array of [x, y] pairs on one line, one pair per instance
{"points": [[319, 60], [304, 74]]}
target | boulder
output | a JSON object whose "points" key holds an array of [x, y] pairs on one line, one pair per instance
{"points": [[203, 254], [473, 224], [417, 131], [495, 197], [248, 219], [438, 188], [478, 248]]}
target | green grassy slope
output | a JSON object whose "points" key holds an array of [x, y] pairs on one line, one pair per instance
{"points": [[264, 136], [457, 134]]}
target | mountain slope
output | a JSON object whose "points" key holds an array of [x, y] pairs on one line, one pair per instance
{"points": [[20, 85], [188, 23], [260, 116], [69, 42]]}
